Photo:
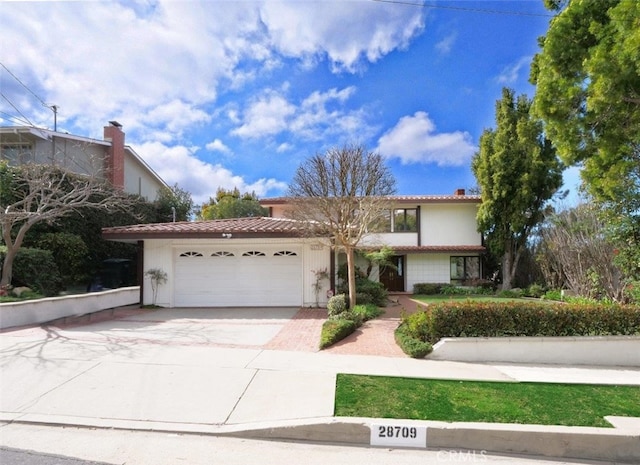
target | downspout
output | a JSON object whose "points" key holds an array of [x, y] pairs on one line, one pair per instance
{"points": [[140, 270]]}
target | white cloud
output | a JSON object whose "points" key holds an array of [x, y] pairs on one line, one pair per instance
{"points": [[346, 32], [178, 164], [266, 116], [415, 140], [445, 45], [218, 146], [511, 73], [318, 116]]}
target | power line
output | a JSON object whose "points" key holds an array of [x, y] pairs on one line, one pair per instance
{"points": [[467, 9], [16, 109], [24, 85]]}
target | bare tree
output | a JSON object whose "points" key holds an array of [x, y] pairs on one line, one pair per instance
{"points": [[342, 194], [575, 252], [32, 193]]}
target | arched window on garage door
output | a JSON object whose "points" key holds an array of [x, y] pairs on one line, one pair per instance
{"points": [[191, 253], [222, 253], [254, 253], [285, 253]]}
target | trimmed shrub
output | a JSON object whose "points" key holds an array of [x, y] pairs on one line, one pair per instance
{"points": [[414, 348], [337, 305], [413, 334], [335, 330], [428, 288], [491, 319], [36, 269]]}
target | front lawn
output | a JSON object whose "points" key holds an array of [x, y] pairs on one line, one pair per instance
{"points": [[483, 401]]}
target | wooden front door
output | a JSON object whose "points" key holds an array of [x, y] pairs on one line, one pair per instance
{"points": [[392, 277]]}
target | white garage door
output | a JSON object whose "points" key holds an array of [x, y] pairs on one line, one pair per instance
{"points": [[235, 276]]}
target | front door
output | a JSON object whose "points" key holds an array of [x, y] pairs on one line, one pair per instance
{"points": [[392, 277]]}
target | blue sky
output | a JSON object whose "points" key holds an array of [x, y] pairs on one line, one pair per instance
{"points": [[238, 93]]}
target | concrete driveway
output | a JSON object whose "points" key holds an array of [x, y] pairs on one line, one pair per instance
{"points": [[225, 327]]}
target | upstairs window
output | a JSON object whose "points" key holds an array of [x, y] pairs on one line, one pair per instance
{"points": [[405, 220]]}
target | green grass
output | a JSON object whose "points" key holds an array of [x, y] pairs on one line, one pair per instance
{"points": [[493, 402]]}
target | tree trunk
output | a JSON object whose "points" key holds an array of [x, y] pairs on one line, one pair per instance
{"points": [[351, 272], [7, 266]]}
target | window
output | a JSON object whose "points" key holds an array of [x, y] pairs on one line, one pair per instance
{"points": [[191, 254], [464, 269], [254, 253], [285, 253], [405, 219], [16, 153], [398, 220], [222, 253]]}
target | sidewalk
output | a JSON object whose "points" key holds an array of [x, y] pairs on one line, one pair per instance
{"points": [[95, 376]]}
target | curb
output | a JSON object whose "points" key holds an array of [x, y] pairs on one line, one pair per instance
{"points": [[559, 442]]}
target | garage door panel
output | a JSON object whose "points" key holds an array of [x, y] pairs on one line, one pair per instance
{"points": [[270, 280]]}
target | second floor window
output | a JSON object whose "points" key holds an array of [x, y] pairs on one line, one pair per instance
{"points": [[398, 220], [405, 219]]}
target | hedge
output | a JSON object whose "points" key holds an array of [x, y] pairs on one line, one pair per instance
{"points": [[335, 330], [491, 319], [418, 331]]}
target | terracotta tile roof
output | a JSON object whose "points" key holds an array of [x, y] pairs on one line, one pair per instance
{"points": [[401, 199], [439, 248], [237, 227]]}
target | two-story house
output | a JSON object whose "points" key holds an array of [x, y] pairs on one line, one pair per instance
{"points": [[268, 262], [109, 158]]}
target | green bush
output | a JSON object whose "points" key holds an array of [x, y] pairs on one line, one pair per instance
{"points": [[414, 348], [413, 334], [535, 290], [367, 312], [337, 305], [492, 319], [428, 288], [335, 330], [36, 269], [69, 252], [553, 294], [375, 291]]}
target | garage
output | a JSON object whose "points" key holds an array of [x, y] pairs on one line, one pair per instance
{"points": [[235, 262], [253, 275]]}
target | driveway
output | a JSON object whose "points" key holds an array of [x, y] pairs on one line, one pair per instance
{"points": [[222, 327], [287, 328]]}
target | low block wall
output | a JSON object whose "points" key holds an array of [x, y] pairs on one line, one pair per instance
{"points": [[585, 350], [38, 311]]}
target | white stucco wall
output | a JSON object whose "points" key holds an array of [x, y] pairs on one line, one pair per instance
{"points": [[449, 224], [160, 254]]}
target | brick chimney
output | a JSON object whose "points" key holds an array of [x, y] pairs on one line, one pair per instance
{"points": [[459, 192], [115, 155]]}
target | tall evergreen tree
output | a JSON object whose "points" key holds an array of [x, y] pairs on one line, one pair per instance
{"points": [[518, 172]]}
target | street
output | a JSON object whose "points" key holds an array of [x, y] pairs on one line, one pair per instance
{"points": [[49, 445]]}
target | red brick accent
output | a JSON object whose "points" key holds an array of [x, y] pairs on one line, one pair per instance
{"points": [[115, 158]]}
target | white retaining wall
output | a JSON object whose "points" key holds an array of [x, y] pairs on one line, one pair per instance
{"points": [[583, 350], [30, 312]]}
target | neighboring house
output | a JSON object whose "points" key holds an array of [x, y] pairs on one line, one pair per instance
{"points": [[266, 261], [109, 158]]}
